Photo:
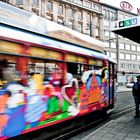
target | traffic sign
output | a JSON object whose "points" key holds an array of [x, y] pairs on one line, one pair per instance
{"points": [[126, 23]]}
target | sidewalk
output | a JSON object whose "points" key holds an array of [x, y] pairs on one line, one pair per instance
{"points": [[123, 88], [123, 128]]}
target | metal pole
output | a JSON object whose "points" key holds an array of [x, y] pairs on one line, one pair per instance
{"points": [[91, 29], [118, 52]]}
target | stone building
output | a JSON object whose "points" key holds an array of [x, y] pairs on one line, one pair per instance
{"points": [[93, 18], [80, 15]]}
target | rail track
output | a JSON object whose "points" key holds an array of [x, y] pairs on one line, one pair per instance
{"points": [[124, 105], [93, 125]]}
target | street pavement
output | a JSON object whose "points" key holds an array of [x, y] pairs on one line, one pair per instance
{"points": [[125, 127], [123, 88]]}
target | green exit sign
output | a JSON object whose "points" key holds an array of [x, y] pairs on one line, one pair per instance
{"points": [[129, 22]]}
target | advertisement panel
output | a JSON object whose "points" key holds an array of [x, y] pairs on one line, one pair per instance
{"points": [[126, 5]]}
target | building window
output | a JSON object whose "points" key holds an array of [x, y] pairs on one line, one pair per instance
{"points": [[127, 46], [70, 13], [80, 2], [112, 15], [106, 22], [107, 14], [134, 66], [113, 55], [88, 18], [133, 48], [121, 46], [138, 48], [104, 13], [96, 7], [79, 27], [133, 57], [96, 32], [49, 6], [106, 44], [121, 55], [128, 66], [79, 15], [113, 45], [122, 65], [88, 4], [120, 16], [35, 2], [106, 33], [60, 9], [19, 1], [138, 57], [127, 56], [112, 34]]}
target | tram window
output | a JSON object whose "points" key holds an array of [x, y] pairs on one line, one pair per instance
{"points": [[9, 71], [72, 68], [52, 71]]}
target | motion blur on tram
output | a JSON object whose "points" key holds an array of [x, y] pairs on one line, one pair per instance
{"points": [[49, 74]]}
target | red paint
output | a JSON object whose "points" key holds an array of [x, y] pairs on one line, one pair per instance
{"points": [[126, 6]]}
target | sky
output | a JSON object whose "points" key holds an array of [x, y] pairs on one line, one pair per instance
{"points": [[116, 3]]}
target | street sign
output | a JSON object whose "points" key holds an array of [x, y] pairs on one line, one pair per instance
{"points": [[126, 23]]}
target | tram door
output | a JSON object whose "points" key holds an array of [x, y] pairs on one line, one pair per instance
{"points": [[112, 84]]}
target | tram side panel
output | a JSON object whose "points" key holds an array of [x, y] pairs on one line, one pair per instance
{"points": [[35, 92]]}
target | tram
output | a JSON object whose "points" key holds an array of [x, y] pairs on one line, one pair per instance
{"points": [[49, 77]]}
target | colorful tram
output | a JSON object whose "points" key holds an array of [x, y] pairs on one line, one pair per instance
{"points": [[45, 81]]}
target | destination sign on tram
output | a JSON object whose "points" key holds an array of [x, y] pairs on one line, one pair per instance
{"points": [[122, 24]]}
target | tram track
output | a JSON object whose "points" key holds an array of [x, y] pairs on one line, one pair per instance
{"points": [[124, 105], [94, 125], [128, 100]]}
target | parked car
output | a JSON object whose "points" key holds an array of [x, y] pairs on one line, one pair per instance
{"points": [[130, 85]]}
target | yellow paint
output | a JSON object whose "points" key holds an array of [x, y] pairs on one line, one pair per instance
{"points": [[95, 91], [96, 62], [74, 58], [38, 78], [41, 52], [84, 99], [9, 47]]}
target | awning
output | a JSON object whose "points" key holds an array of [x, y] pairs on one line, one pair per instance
{"points": [[129, 28]]}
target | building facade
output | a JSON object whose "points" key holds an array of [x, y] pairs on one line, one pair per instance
{"points": [[81, 15], [92, 18], [125, 51]]}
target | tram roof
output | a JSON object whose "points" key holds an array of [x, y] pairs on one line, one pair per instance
{"points": [[21, 35], [129, 28], [31, 22]]}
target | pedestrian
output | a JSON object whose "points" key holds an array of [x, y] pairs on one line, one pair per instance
{"points": [[136, 95]]}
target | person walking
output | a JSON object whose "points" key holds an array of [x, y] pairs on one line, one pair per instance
{"points": [[136, 95]]}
